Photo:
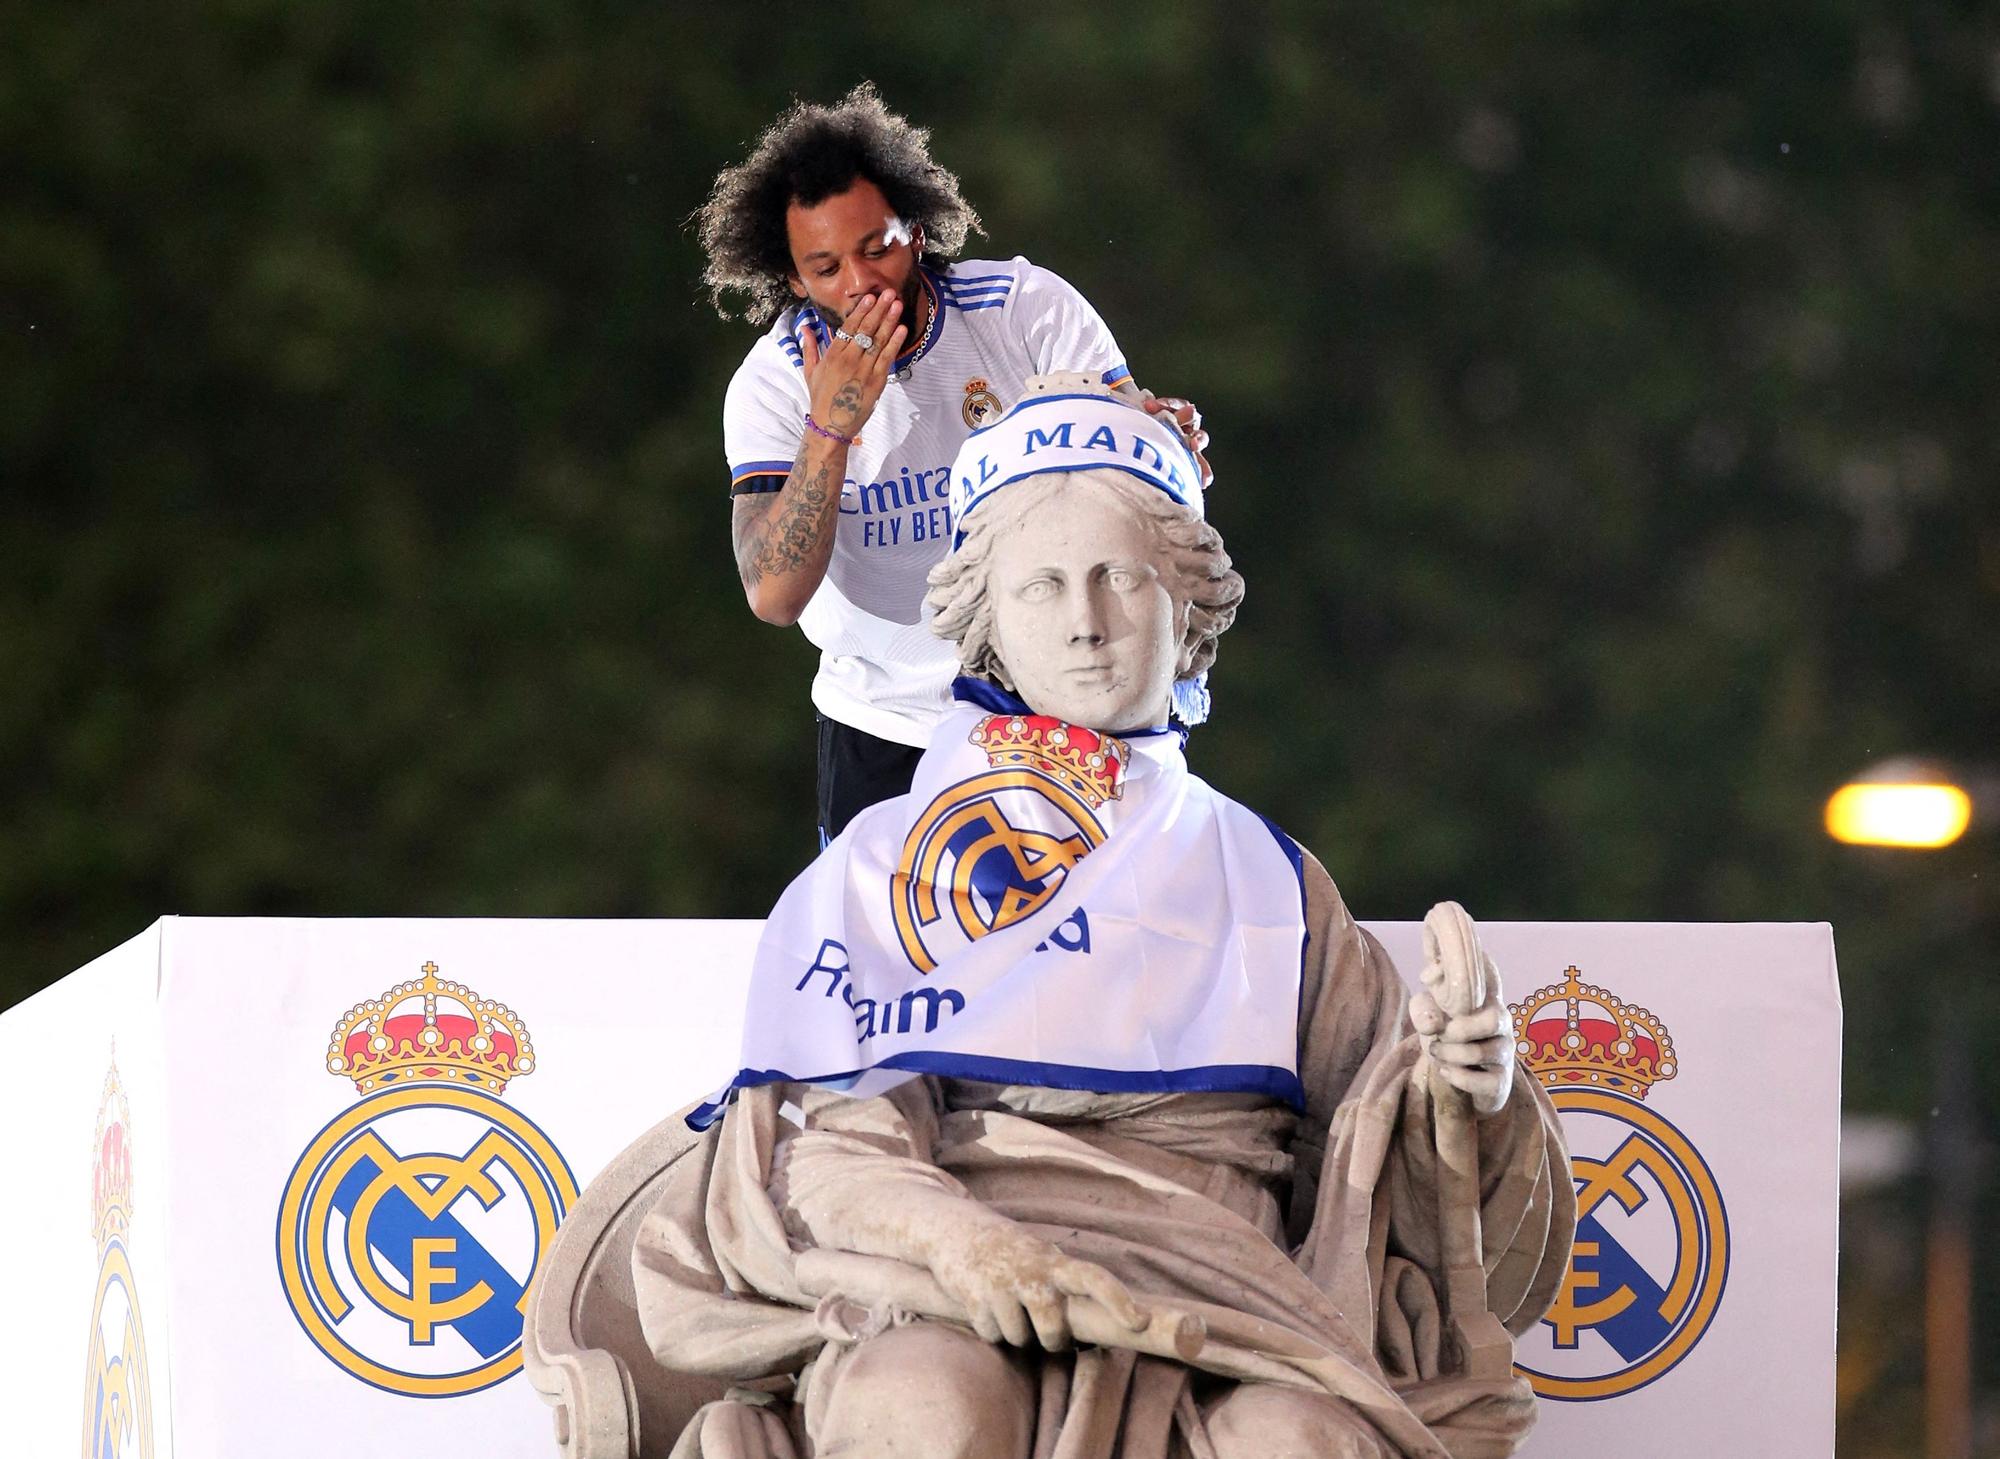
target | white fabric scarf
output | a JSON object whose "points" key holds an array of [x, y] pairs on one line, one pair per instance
{"points": [[1025, 916]]}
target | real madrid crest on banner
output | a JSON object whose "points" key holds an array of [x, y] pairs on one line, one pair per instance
{"points": [[413, 1223], [993, 848], [1652, 1239], [117, 1391]]}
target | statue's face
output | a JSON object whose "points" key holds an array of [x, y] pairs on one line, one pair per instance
{"points": [[1081, 613]]}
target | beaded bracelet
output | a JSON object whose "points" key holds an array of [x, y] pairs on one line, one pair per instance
{"points": [[815, 426]]}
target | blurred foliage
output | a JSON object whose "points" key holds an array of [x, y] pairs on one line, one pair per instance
{"points": [[1602, 398]]}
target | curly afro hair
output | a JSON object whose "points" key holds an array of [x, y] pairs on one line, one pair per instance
{"points": [[809, 154]]}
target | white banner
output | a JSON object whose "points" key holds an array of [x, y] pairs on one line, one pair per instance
{"points": [[85, 1349], [258, 1219], [1698, 1317]]}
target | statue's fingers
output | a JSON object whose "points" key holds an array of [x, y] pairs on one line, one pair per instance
{"points": [[1013, 1320], [1489, 1020], [1486, 1088], [984, 1322], [1088, 1279], [1050, 1316], [1470, 1053], [1425, 1015]]}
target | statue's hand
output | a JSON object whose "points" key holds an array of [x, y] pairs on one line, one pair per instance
{"points": [[1473, 1052], [1014, 1286], [1460, 1015]]}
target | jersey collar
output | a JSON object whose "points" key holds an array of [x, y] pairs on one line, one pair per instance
{"points": [[932, 330]]}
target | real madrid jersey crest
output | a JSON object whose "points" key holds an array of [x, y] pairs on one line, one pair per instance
{"points": [[992, 324]]}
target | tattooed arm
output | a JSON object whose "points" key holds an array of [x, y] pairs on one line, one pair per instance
{"points": [[784, 538]]}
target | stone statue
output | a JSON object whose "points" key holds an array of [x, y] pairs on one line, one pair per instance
{"points": [[1077, 1116]]}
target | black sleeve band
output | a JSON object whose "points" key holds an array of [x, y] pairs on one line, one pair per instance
{"points": [[762, 482]]}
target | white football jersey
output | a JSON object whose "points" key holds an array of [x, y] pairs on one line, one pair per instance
{"points": [[992, 325]]}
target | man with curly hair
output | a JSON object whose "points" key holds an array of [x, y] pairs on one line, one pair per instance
{"points": [[839, 234]]}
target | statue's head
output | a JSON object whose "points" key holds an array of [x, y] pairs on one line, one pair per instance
{"points": [[1083, 576]]}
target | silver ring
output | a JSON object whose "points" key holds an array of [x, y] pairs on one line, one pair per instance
{"points": [[842, 334], [866, 342]]}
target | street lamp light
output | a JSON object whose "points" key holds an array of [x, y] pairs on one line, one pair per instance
{"points": [[1916, 804], [1925, 805]]}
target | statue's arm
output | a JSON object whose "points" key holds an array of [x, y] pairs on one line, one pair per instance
{"points": [[859, 1177], [1351, 1001], [1350, 1016], [1367, 1143]]}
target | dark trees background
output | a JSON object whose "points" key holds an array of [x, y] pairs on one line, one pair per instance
{"points": [[1602, 398]]}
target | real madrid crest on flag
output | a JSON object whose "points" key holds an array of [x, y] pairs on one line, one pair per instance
{"points": [[1652, 1239], [117, 1389], [992, 849], [413, 1223]]}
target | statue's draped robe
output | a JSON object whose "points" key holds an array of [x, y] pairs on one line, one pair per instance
{"points": [[1310, 1243]]}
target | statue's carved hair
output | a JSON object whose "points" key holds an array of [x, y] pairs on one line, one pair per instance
{"points": [[1197, 569], [810, 154]]}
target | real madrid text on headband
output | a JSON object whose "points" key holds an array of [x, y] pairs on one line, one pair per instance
{"points": [[1081, 431]]}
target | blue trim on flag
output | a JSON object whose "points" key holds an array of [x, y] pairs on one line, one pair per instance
{"points": [[974, 291], [989, 696], [1292, 854], [976, 278], [968, 308], [1264, 1079], [1298, 860]]}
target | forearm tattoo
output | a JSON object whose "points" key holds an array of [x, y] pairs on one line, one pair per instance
{"points": [[779, 538]]}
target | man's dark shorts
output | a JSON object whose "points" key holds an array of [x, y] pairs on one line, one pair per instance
{"points": [[857, 770]]}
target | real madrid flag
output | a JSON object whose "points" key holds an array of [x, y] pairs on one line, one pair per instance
{"points": [[1046, 906]]}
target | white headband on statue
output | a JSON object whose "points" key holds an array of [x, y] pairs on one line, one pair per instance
{"points": [[1082, 431]]}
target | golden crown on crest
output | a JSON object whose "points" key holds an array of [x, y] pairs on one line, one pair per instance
{"points": [[427, 1029], [1573, 1034], [111, 1164], [1088, 763]]}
